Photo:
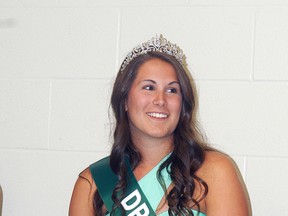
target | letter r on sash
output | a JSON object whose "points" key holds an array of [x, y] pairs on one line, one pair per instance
{"points": [[125, 201]]}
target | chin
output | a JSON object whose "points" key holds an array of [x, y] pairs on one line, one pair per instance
{"points": [[161, 135]]}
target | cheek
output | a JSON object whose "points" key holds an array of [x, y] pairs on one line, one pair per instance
{"points": [[136, 102], [177, 104]]}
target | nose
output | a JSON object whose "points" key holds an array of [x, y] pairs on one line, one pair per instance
{"points": [[160, 99]]}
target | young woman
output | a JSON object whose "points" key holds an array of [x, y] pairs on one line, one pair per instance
{"points": [[158, 165]]}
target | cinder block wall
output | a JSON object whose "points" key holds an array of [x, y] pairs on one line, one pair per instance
{"points": [[58, 60]]}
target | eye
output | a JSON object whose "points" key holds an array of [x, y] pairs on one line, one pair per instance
{"points": [[172, 90], [149, 87]]}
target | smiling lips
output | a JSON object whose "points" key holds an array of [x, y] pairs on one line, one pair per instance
{"points": [[158, 115]]}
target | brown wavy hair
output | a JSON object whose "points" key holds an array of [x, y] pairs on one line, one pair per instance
{"points": [[189, 148]]}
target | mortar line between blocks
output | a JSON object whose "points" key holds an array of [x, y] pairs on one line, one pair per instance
{"points": [[49, 115]]}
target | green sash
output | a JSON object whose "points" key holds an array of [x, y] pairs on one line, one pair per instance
{"points": [[134, 202]]}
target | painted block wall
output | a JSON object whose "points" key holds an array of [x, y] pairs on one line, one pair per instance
{"points": [[58, 60]]}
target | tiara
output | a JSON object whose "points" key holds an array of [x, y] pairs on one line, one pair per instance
{"points": [[155, 44]]}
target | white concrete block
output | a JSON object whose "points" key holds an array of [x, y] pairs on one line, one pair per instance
{"points": [[40, 182], [59, 42], [271, 44], [28, 3], [9, 3], [122, 3], [24, 113], [216, 40], [238, 2], [245, 118], [39, 3], [79, 115], [267, 185]]}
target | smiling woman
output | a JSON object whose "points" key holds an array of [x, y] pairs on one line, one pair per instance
{"points": [[158, 165]]}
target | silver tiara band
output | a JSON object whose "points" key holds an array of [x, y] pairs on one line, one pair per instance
{"points": [[155, 44]]}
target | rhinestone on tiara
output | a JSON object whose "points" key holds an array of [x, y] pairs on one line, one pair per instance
{"points": [[155, 44]]}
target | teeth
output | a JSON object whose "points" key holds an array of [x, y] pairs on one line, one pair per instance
{"points": [[158, 115]]}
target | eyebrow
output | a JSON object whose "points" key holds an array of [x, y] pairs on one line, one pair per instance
{"points": [[153, 81]]}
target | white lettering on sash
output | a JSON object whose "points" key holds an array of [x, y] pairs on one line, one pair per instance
{"points": [[137, 212], [135, 194]]}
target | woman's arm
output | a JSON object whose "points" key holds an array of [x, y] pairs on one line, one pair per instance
{"points": [[81, 203], [227, 195]]}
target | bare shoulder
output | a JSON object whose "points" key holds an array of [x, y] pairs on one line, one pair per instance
{"points": [[82, 197], [227, 194], [85, 181], [86, 175], [217, 163]]}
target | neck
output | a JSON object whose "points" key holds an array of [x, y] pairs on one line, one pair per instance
{"points": [[153, 150]]}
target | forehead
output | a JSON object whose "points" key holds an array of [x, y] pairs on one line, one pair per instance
{"points": [[157, 69]]}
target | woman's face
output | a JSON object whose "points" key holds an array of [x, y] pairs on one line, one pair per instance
{"points": [[154, 101]]}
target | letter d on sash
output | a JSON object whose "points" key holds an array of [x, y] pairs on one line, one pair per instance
{"points": [[135, 194]]}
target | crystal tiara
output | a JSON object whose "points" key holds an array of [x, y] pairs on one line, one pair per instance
{"points": [[155, 44]]}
